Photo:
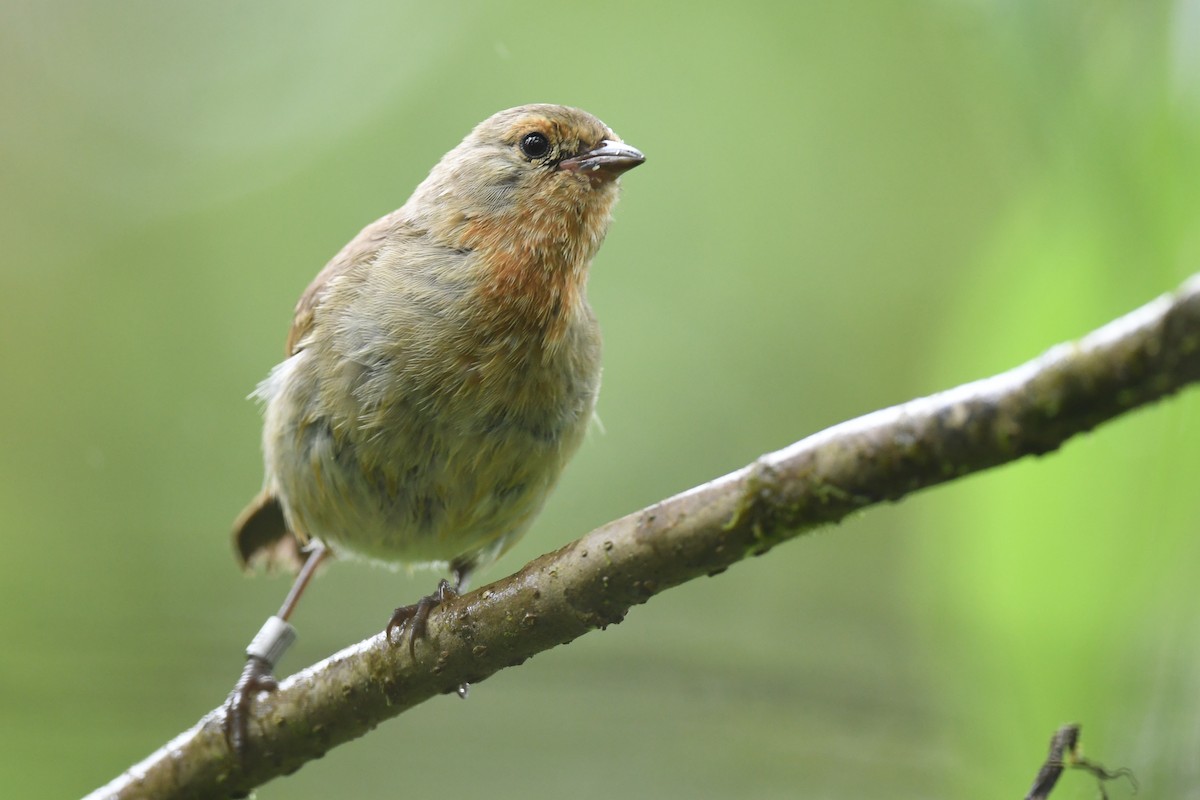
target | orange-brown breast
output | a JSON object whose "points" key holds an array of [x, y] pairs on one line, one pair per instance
{"points": [[536, 270]]}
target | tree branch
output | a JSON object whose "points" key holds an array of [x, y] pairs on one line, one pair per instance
{"points": [[1148, 354]]}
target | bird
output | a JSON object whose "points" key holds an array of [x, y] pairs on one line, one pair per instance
{"points": [[439, 372]]}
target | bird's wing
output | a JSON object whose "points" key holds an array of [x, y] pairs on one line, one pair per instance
{"points": [[360, 249], [261, 533]]}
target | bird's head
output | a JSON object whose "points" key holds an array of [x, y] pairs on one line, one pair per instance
{"points": [[529, 177]]}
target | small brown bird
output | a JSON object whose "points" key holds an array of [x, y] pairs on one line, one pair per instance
{"points": [[440, 370]]}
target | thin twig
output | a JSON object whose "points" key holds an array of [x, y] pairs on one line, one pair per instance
{"points": [[592, 582], [1064, 753]]}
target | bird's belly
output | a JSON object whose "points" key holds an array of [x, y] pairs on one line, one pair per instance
{"points": [[402, 485]]}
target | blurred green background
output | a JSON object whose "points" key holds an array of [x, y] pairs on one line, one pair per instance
{"points": [[845, 205]]}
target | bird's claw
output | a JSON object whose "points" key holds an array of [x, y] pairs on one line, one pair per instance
{"points": [[414, 618], [256, 677]]}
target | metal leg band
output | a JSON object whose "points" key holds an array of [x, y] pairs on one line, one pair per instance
{"points": [[272, 641]]}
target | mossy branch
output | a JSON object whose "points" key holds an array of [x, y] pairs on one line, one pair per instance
{"points": [[1148, 354]]}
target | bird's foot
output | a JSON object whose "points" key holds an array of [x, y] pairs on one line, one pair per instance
{"points": [[414, 617], [268, 645], [256, 677]]}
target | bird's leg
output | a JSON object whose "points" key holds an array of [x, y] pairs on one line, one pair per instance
{"points": [[414, 617], [264, 651]]}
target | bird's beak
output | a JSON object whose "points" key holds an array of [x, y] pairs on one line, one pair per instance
{"points": [[608, 159]]}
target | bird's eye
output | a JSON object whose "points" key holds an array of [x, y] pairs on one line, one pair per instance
{"points": [[535, 145]]}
